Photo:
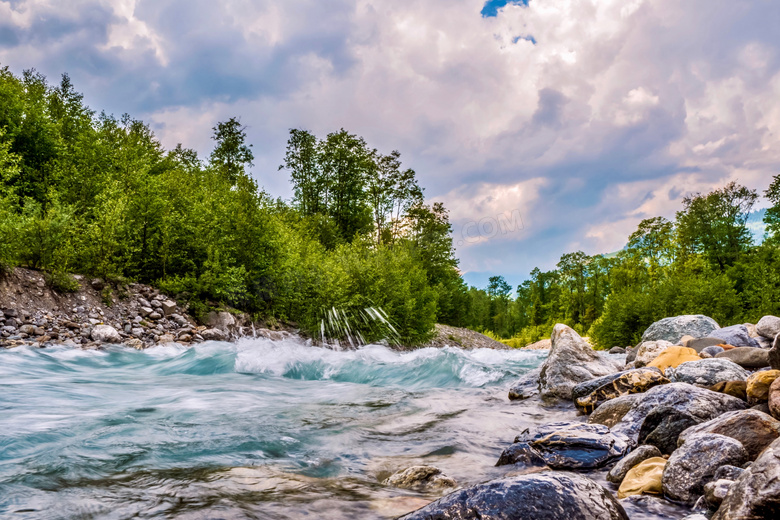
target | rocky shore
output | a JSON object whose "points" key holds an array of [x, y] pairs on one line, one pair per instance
{"points": [[691, 417]]}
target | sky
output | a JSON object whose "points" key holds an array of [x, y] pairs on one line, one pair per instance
{"points": [[545, 126]]}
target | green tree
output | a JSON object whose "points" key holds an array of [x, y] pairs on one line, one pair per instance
{"points": [[231, 155], [302, 159]]}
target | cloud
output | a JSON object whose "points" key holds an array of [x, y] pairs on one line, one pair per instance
{"points": [[600, 113]]}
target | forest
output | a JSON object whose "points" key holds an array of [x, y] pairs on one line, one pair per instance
{"points": [[85, 192]]}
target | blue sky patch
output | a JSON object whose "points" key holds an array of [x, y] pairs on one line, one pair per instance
{"points": [[492, 6], [528, 38]]}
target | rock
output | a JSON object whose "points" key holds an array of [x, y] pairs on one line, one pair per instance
{"points": [[621, 469], [156, 304], [617, 350], [764, 343], [774, 354], [27, 329], [546, 496], [728, 472], [213, 335], [145, 311], [694, 464], [747, 357], [697, 402], [185, 338], [155, 316], [700, 344], [568, 445], [135, 343], [105, 334], [768, 327], [521, 454], [168, 307], [418, 477], [673, 357], [612, 411], [527, 386], [223, 321], [631, 354], [707, 372], [645, 477], [589, 395], [736, 389], [647, 351], [715, 492], [736, 335], [542, 344], [774, 399], [571, 361], [755, 430], [10, 313], [673, 329], [143, 302], [756, 493], [137, 332], [663, 426], [758, 385], [166, 338], [711, 351]]}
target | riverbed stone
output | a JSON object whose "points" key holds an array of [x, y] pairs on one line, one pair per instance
{"points": [[747, 357], [700, 344], [700, 403], [624, 465], [547, 496], [736, 389], [168, 307], [774, 399], [420, 477], [213, 335], [589, 395], [647, 351], [663, 426], [105, 334], [673, 357], [715, 492], [523, 455], [754, 429], [729, 472], [737, 335], [612, 411], [756, 493], [707, 372], [223, 321], [673, 329], [711, 351], [758, 386], [526, 387], [571, 361], [572, 445], [694, 464], [645, 477], [768, 326], [774, 354]]}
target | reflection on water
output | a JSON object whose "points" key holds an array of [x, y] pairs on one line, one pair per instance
{"points": [[260, 429]]}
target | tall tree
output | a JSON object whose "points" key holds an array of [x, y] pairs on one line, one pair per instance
{"points": [[302, 159], [231, 155]]}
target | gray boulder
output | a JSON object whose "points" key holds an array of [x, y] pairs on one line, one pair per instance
{"points": [[715, 492], [673, 329], [223, 321], [662, 428], [611, 412], [711, 351], [213, 335], [647, 351], [105, 334], [768, 327], [700, 344], [756, 493], [624, 465], [420, 477], [728, 472], [568, 445], [527, 386], [754, 429], [707, 372], [168, 307], [737, 335], [694, 464], [571, 361], [699, 403], [546, 496]]}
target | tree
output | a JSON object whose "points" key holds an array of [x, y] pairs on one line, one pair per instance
{"points": [[231, 155], [381, 190], [302, 159], [772, 216]]}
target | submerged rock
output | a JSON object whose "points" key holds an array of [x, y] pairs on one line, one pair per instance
{"points": [[645, 477], [571, 361], [746, 357], [754, 429], [694, 464], [526, 387], [624, 465], [612, 411], [673, 329], [539, 497], [589, 395], [707, 372], [418, 477]]}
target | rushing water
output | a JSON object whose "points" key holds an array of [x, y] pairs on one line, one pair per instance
{"points": [[258, 429]]}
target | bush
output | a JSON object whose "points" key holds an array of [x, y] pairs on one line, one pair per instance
{"points": [[62, 282]]}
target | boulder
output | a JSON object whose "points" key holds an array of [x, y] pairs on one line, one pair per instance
{"points": [[168, 307], [105, 334], [155, 316], [571, 361], [570, 445], [521, 454], [213, 335], [589, 395], [700, 344], [662, 428], [707, 372], [728, 472], [694, 464], [758, 385], [647, 351], [612, 411], [715, 492], [624, 465], [755, 430], [747, 357], [223, 321], [774, 399], [697, 402], [135, 343], [756, 493], [527, 386], [645, 477], [166, 338], [420, 477], [617, 350], [736, 389], [673, 329], [711, 351], [145, 311], [673, 357], [768, 326], [737, 335], [546, 496], [774, 354]]}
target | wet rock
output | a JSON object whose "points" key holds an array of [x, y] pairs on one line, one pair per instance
{"points": [[755, 430], [213, 335], [663, 427], [694, 464], [571, 361], [521, 454], [736, 335], [612, 411], [747, 357], [768, 327], [647, 351], [736, 389], [526, 387], [590, 394], [105, 334], [624, 465], [420, 477], [715, 492], [774, 399], [645, 477], [707, 372], [673, 329], [567, 445], [673, 357], [697, 402], [539, 497], [756, 493]]}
